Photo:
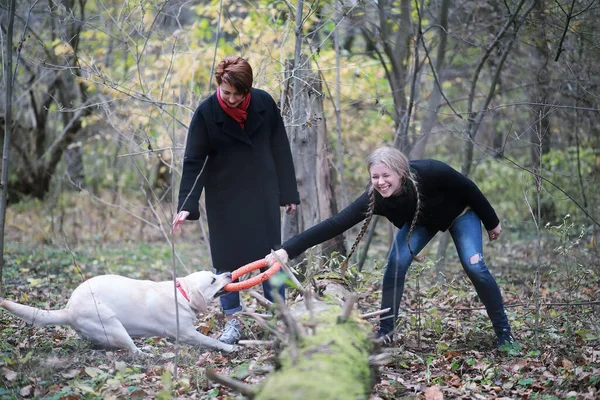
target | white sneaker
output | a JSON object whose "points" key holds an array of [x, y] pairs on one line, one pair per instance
{"points": [[232, 332]]}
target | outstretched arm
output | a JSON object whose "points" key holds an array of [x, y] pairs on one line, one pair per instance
{"points": [[325, 230]]}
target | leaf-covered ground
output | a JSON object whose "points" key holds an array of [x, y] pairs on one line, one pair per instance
{"points": [[445, 348]]}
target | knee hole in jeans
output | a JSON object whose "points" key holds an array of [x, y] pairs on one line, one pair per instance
{"points": [[476, 258]]}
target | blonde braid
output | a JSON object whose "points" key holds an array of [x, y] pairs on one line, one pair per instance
{"points": [[413, 223], [363, 230]]}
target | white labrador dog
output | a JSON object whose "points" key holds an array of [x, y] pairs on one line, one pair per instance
{"points": [[110, 309]]}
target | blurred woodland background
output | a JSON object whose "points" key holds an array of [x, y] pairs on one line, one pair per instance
{"points": [[97, 96], [102, 93]]}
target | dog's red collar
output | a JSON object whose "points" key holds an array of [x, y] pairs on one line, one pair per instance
{"points": [[183, 293]]}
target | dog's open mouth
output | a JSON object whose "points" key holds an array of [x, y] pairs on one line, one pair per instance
{"points": [[222, 291]]}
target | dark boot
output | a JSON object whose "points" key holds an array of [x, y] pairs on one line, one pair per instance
{"points": [[505, 339]]}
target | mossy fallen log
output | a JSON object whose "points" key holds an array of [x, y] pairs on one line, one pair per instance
{"points": [[326, 353], [332, 363]]}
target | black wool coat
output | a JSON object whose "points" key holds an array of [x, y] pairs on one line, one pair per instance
{"points": [[249, 174]]}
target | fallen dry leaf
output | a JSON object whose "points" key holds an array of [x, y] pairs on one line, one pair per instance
{"points": [[26, 391], [9, 375], [434, 393], [72, 373], [566, 363]]}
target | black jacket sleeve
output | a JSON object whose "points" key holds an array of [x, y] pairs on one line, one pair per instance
{"points": [[329, 228], [196, 153], [474, 198]]}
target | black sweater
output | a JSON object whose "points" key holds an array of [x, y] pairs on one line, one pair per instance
{"points": [[444, 194]]}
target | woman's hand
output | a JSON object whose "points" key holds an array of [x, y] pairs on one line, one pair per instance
{"points": [[178, 221], [290, 208], [272, 257], [495, 233]]}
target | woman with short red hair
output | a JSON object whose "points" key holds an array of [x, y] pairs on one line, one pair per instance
{"points": [[238, 151]]}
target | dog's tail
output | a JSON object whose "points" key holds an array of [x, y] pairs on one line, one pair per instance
{"points": [[35, 316]]}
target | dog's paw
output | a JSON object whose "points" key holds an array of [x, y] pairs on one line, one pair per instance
{"points": [[143, 354], [230, 348]]}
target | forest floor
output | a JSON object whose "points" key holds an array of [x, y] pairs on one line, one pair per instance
{"points": [[446, 346]]}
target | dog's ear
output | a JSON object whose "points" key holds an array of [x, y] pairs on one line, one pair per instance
{"points": [[200, 302]]}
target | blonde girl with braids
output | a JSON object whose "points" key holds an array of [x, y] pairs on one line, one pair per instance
{"points": [[421, 198]]}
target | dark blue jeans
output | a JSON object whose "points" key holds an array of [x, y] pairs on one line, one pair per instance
{"points": [[230, 302], [466, 233]]}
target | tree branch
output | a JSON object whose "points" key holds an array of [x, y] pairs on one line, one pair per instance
{"points": [[564, 34], [241, 387]]}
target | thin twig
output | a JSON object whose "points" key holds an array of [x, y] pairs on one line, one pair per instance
{"points": [[374, 313], [295, 330], [263, 324], [289, 272], [174, 273], [434, 72], [240, 387], [251, 343], [261, 299], [564, 34], [308, 300], [293, 326], [217, 34], [379, 359], [348, 306]]}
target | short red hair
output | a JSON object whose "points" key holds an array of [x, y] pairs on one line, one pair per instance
{"points": [[236, 72]]}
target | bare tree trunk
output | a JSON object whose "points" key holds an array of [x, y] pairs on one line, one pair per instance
{"points": [[302, 129], [74, 161], [398, 54], [541, 92], [538, 221], [8, 73], [390, 42], [308, 140], [45, 136], [327, 203], [418, 149], [290, 223], [338, 118], [475, 117]]}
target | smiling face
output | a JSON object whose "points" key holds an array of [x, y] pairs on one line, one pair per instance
{"points": [[384, 180], [230, 95]]}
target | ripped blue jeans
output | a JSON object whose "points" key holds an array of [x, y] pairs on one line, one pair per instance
{"points": [[466, 233]]}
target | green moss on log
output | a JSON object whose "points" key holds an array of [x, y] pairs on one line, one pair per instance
{"points": [[333, 364]]}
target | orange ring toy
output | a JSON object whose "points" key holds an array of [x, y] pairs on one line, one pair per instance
{"points": [[248, 283]]}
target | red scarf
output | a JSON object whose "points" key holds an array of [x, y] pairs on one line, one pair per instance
{"points": [[238, 113]]}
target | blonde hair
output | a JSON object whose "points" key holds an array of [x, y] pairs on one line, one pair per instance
{"points": [[395, 160]]}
